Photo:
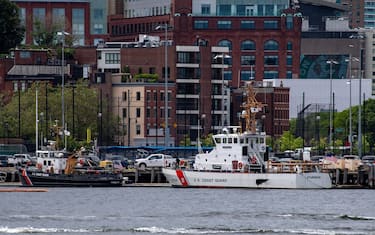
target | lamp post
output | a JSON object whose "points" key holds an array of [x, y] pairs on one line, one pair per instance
{"points": [[166, 127], [359, 37], [360, 100], [317, 129], [349, 82], [222, 56], [62, 34], [330, 62]]}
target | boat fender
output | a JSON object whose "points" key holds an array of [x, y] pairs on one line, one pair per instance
{"points": [[240, 165]]}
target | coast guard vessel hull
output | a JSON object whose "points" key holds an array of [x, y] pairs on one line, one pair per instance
{"points": [[42, 179], [190, 178]]}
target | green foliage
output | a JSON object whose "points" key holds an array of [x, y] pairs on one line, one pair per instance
{"points": [[289, 142], [148, 77], [207, 141], [186, 141], [11, 30], [126, 69], [86, 103]]}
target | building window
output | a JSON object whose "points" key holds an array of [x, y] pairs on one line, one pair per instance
{"points": [[247, 24], [228, 75], [201, 24], [247, 75], [225, 43], [271, 45], [98, 13], [98, 28], [138, 112], [206, 9], [188, 73], [138, 129], [247, 60], [248, 45], [224, 10], [148, 112], [224, 24], [271, 74], [138, 95], [289, 22], [270, 10], [78, 26], [289, 46], [289, 74], [112, 58], [156, 96], [124, 96], [188, 58], [58, 17], [289, 60], [260, 10], [271, 60], [271, 24], [124, 112], [25, 54]]}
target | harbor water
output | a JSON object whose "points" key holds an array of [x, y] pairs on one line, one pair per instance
{"points": [[164, 210]]}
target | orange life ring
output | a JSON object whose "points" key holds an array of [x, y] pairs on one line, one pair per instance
{"points": [[240, 165]]}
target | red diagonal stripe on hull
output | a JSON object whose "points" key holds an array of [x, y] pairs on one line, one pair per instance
{"points": [[181, 177], [26, 177]]}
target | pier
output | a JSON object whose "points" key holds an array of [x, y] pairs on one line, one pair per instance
{"points": [[362, 177]]}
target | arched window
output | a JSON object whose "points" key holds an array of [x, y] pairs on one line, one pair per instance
{"points": [[247, 45], [225, 43], [271, 45]]}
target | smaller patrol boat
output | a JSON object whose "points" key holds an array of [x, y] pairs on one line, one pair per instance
{"points": [[237, 161], [57, 169]]}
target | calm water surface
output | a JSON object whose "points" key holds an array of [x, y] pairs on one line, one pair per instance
{"points": [[135, 210]]}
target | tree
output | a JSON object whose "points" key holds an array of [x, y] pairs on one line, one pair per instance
{"points": [[11, 31], [85, 113]]}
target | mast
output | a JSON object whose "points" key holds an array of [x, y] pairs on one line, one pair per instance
{"points": [[251, 107]]}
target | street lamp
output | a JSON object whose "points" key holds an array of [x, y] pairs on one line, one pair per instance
{"points": [[166, 127], [317, 129], [359, 37], [330, 62], [360, 99], [222, 56], [62, 35], [349, 82]]}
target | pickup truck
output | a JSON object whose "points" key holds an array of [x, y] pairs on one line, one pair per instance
{"points": [[155, 160]]}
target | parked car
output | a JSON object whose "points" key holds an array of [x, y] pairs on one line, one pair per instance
{"points": [[4, 160], [368, 159], [21, 159], [155, 160]]}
